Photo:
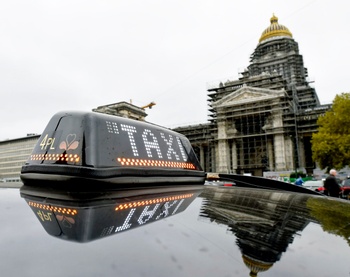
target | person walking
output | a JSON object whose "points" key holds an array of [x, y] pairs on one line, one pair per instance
{"points": [[331, 185]]}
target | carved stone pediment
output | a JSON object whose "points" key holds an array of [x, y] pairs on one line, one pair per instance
{"points": [[247, 94]]}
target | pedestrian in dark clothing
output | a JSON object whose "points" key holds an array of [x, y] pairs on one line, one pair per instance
{"points": [[331, 185]]}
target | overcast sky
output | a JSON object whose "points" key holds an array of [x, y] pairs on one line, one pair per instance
{"points": [[77, 55]]}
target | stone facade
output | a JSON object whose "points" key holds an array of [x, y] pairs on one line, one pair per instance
{"points": [[13, 154], [123, 109]]}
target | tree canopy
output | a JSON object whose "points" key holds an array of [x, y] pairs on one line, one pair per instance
{"points": [[331, 144]]}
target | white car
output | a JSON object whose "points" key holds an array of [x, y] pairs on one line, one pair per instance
{"points": [[313, 184]]}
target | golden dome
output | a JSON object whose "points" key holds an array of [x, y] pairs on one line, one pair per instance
{"points": [[275, 30], [255, 266]]}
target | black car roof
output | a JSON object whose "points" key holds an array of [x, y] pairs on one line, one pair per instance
{"points": [[224, 231]]}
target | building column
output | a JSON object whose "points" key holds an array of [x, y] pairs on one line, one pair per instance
{"points": [[223, 149], [270, 155], [202, 157], [213, 157], [279, 143], [290, 161], [280, 161], [302, 153], [234, 156]]}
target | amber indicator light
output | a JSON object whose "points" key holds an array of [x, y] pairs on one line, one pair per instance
{"points": [[55, 209], [141, 203], [73, 158], [154, 163]]}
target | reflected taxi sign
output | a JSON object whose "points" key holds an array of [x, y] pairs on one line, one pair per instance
{"points": [[84, 217]]}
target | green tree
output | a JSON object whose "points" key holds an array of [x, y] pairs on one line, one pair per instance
{"points": [[331, 144]]}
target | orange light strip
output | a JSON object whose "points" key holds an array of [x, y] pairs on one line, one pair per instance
{"points": [[151, 201], [154, 163], [74, 158], [54, 209]]}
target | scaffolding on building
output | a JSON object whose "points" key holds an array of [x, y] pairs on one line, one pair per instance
{"points": [[264, 120]]}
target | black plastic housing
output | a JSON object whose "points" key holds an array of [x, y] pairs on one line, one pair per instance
{"points": [[83, 146]]}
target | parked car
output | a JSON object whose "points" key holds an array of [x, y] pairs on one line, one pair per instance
{"points": [[320, 189], [345, 186], [313, 185], [220, 183]]}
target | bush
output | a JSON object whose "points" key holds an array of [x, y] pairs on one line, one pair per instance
{"points": [[295, 175]]}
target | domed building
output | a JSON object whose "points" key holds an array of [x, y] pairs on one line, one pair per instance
{"points": [[262, 122], [275, 30]]}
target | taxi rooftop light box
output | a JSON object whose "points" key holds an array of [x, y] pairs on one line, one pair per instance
{"points": [[110, 149]]}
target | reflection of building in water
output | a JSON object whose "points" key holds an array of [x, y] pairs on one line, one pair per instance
{"points": [[264, 222]]}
